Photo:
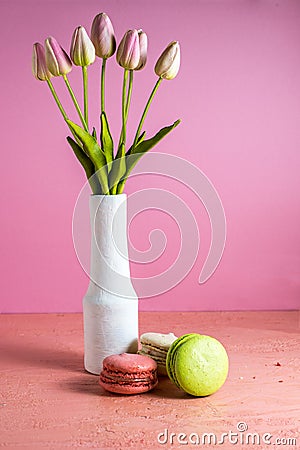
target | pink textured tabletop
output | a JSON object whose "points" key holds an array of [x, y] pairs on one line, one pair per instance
{"points": [[49, 402]]}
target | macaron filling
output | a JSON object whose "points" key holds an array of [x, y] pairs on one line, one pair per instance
{"points": [[115, 376]]}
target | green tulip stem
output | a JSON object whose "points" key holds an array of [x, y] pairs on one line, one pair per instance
{"points": [[85, 94], [103, 84], [145, 111], [53, 92], [127, 102], [75, 103], [129, 92], [124, 98], [64, 114]]}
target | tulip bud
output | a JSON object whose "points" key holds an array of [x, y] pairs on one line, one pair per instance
{"points": [[57, 59], [103, 36], [168, 63], [82, 50], [39, 66], [128, 53], [143, 42]]}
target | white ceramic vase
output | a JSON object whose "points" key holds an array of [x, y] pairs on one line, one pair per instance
{"points": [[110, 306]]}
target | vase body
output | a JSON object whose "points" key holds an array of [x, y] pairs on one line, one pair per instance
{"points": [[110, 306]]}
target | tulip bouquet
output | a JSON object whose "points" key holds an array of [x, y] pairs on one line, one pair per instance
{"points": [[107, 169]]}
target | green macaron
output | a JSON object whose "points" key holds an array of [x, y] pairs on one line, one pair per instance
{"points": [[197, 364]]}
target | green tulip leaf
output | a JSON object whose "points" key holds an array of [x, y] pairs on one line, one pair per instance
{"points": [[90, 145], [107, 143], [82, 157], [86, 164], [93, 151], [147, 144], [94, 133], [118, 170], [140, 139], [144, 146]]}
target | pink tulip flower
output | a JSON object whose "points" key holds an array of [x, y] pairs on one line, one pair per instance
{"points": [[168, 63], [39, 66], [82, 50], [103, 36], [143, 42], [128, 53], [58, 62]]}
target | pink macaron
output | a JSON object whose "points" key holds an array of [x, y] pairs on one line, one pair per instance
{"points": [[128, 374]]}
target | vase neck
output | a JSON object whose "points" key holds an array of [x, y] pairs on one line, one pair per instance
{"points": [[109, 249]]}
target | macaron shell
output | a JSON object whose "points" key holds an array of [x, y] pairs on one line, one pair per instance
{"points": [[129, 363], [200, 365], [162, 370], [171, 356], [159, 341]]}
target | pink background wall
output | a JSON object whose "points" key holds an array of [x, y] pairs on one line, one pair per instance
{"points": [[238, 95]]}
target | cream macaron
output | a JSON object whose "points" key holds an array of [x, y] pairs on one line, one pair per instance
{"points": [[156, 345]]}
